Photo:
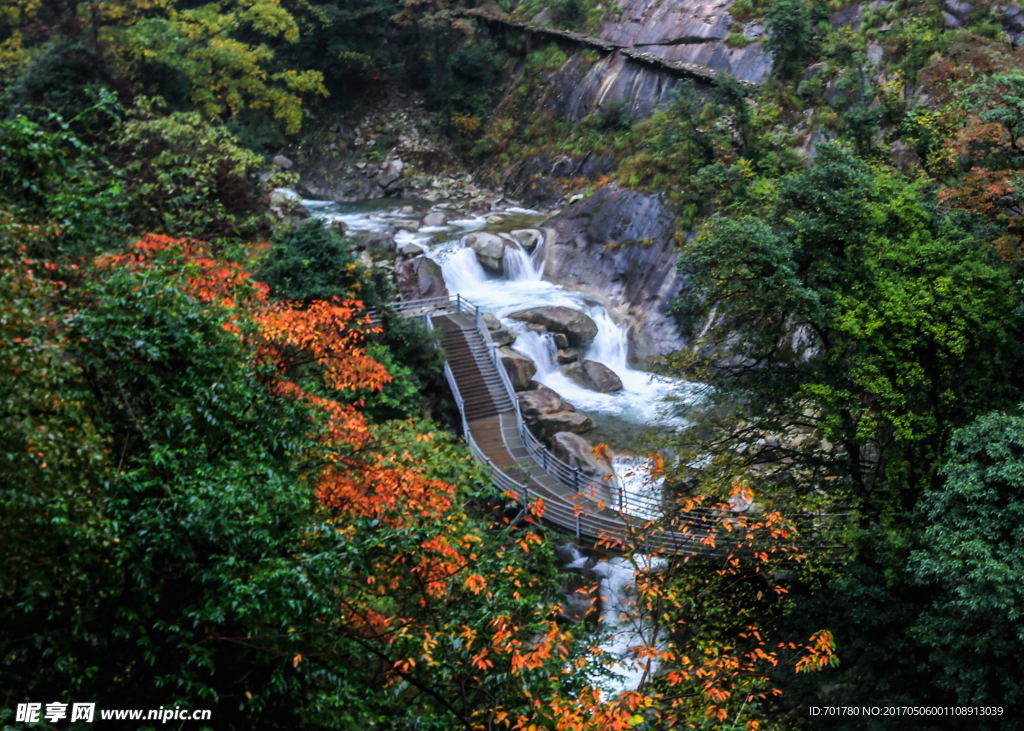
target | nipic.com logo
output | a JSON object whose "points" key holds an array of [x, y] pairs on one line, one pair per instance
{"points": [[54, 712], [57, 712]]}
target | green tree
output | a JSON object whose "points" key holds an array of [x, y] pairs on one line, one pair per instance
{"points": [[969, 562], [52, 180], [853, 310], [187, 177]]}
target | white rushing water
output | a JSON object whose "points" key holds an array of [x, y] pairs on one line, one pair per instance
{"points": [[641, 400], [627, 628]]}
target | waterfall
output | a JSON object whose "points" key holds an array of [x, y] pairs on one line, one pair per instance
{"points": [[540, 347], [611, 346], [462, 272], [619, 615], [520, 266]]}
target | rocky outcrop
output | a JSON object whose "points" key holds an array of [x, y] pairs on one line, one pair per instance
{"points": [[619, 245], [578, 452], [286, 203], [521, 369], [578, 328], [420, 278], [489, 250], [546, 413], [692, 32], [593, 375]]}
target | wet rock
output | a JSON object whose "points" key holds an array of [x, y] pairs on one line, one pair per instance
{"points": [[420, 278], [489, 250], [502, 336], [408, 251], [520, 368], [435, 218], [546, 413], [528, 238], [405, 224], [593, 375], [578, 452], [578, 328], [561, 341], [567, 355], [619, 245], [491, 320], [380, 241], [286, 203], [340, 227]]}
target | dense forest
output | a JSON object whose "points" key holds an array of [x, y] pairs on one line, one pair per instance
{"points": [[234, 477]]}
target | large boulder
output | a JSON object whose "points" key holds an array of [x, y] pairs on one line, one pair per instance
{"points": [[376, 241], [286, 203], [619, 246], [489, 250], [593, 375], [420, 278], [577, 326], [546, 413], [578, 452], [435, 218], [520, 368]]}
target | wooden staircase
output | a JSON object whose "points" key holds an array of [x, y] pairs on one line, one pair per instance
{"points": [[482, 391]]}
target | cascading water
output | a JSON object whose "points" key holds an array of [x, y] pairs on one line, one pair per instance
{"points": [[642, 393], [462, 272], [522, 267], [626, 628]]}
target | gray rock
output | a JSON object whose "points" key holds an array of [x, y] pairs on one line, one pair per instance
{"points": [[567, 355], [503, 336], [283, 162], [376, 241], [578, 328], [406, 224], [561, 341], [1013, 23], [390, 174], [528, 238], [489, 250], [546, 413], [285, 203], [420, 278], [435, 218], [593, 375], [637, 276], [491, 320], [578, 452], [520, 368], [409, 251]]}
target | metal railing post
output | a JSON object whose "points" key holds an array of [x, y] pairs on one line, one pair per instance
{"points": [[578, 526], [622, 492], [575, 478]]}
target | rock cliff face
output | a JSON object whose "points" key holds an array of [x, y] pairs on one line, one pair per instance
{"points": [[692, 31], [617, 245], [689, 32]]}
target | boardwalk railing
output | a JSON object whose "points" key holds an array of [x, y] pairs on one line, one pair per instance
{"points": [[580, 511]]}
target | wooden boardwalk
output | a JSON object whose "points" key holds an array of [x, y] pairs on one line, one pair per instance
{"points": [[598, 514], [573, 503]]}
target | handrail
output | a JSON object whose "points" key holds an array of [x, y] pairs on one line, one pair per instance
{"points": [[576, 515]]}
